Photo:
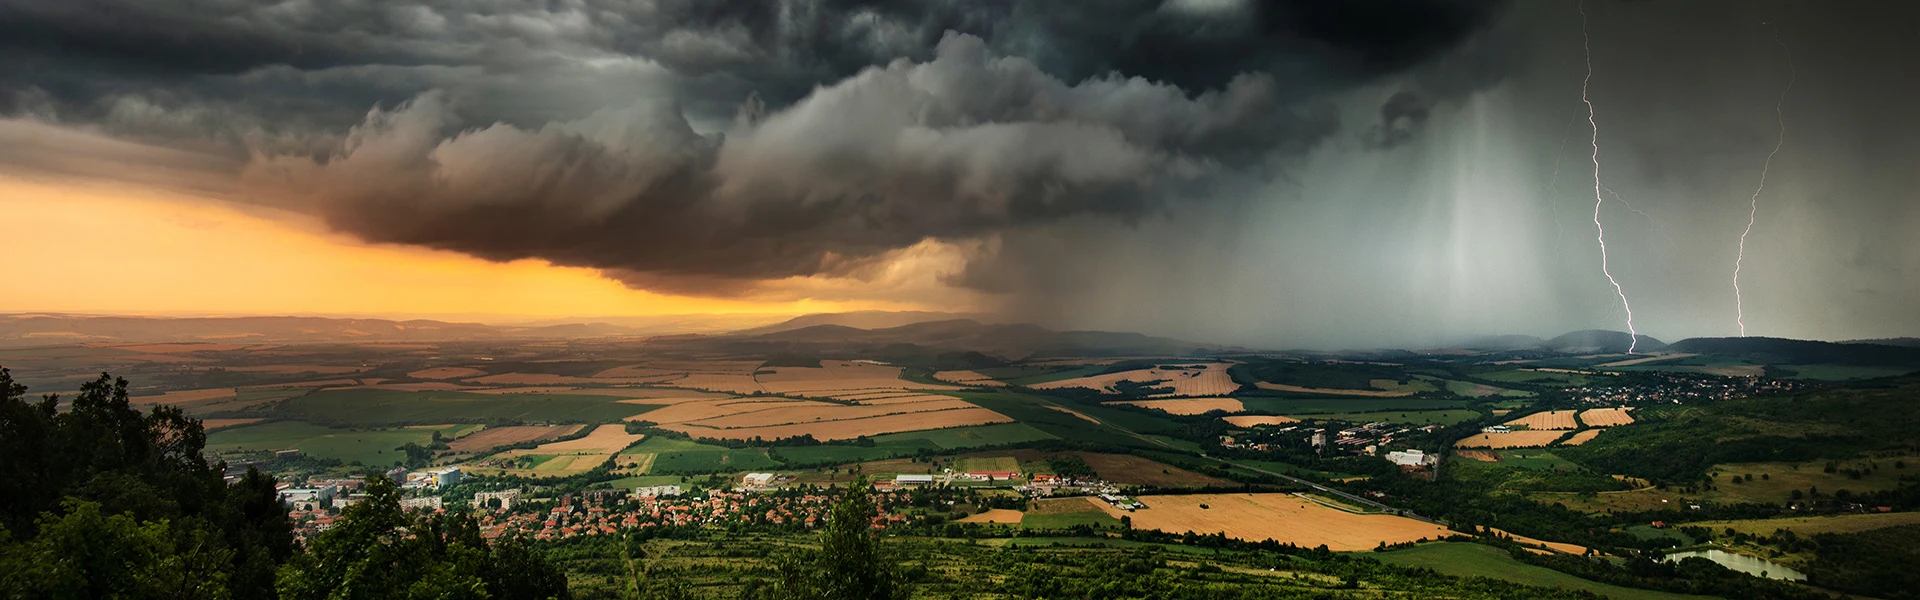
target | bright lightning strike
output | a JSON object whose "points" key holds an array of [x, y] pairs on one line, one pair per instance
{"points": [[1753, 207], [1586, 45]]}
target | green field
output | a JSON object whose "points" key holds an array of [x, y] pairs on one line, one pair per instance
{"points": [[1775, 482], [824, 455], [1036, 412], [381, 407], [1843, 372], [1535, 458], [640, 480], [1465, 559], [1468, 388], [1814, 525], [1308, 406], [966, 437], [374, 447], [1535, 377], [986, 463], [1418, 417], [682, 456], [1066, 512], [912, 442]]}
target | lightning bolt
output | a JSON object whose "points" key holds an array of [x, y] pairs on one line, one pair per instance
{"points": [[1586, 45], [1753, 206]]}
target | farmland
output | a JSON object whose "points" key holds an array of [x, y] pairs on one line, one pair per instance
{"points": [[1807, 526], [372, 447], [1060, 513], [1258, 420], [1581, 437], [1304, 406], [1548, 420], [1477, 560], [1283, 518], [1606, 417], [1516, 439], [374, 407], [1191, 406], [1414, 417], [1184, 380], [681, 456], [494, 437]]}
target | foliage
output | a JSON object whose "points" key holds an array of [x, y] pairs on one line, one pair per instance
{"points": [[377, 551], [114, 473], [850, 563], [1876, 563]]}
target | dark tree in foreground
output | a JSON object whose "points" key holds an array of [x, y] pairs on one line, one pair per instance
{"points": [[851, 564], [377, 551], [126, 503]]}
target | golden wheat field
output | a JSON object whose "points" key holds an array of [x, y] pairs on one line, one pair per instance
{"points": [[1190, 406], [605, 439], [1284, 518], [493, 437], [1190, 380], [684, 412], [1607, 417], [997, 515], [1267, 385], [1517, 439], [1553, 419], [1256, 420], [734, 383], [853, 428], [968, 378], [786, 415], [1581, 437], [835, 377], [447, 373]]}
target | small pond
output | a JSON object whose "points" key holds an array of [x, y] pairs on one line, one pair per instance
{"points": [[1758, 567]]}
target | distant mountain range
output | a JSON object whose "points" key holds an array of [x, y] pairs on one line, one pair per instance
{"points": [[1765, 350], [863, 319], [45, 329], [1001, 341]]}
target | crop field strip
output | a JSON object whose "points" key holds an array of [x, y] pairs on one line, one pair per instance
{"points": [[1549, 420], [494, 437], [1581, 437], [1190, 406], [1516, 439], [1208, 379], [1606, 417], [853, 428], [1257, 420], [968, 378], [1280, 517], [787, 415]]}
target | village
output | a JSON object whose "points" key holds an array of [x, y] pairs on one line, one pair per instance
{"points": [[754, 499]]}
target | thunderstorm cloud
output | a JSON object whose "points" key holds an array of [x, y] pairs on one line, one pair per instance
{"points": [[1213, 168]]}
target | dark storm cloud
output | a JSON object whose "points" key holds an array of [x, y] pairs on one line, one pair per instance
{"points": [[1400, 118], [613, 135]]}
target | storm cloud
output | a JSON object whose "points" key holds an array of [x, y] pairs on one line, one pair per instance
{"points": [[1298, 170], [737, 141]]}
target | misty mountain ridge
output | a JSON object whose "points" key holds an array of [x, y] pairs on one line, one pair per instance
{"points": [[45, 329], [1766, 350], [1004, 341], [862, 319], [1602, 341]]}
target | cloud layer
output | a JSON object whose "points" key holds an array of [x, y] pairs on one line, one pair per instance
{"points": [[706, 147]]}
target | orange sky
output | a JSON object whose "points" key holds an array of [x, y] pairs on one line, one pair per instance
{"points": [[104, 249]]}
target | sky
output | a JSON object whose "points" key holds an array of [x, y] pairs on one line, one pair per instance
{"points": [[1276, 173]]}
